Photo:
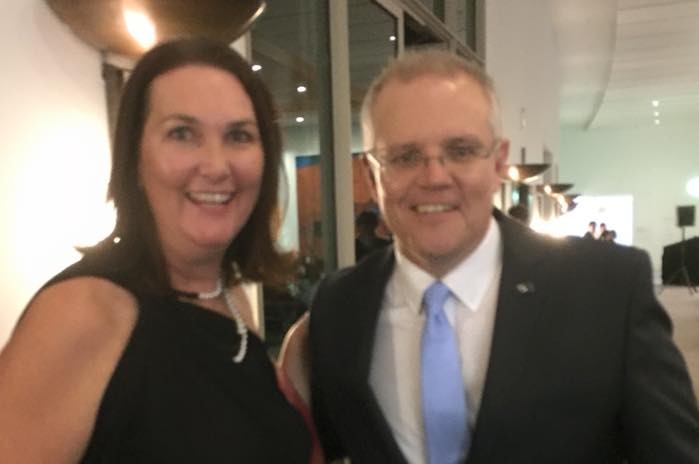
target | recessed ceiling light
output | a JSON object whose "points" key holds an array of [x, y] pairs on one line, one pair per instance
{"points": [[300, 119], [392, 38], [657, 122], [301, 89], [256, 67], [656, 113], [655, 103]]}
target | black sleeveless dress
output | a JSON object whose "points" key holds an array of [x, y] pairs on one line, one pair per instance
{"points": [[175, 395]]}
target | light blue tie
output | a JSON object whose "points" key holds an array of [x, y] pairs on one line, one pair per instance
{"points": [[444, 408]]}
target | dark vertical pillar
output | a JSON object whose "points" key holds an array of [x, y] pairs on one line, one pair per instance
{"points": [[471, 17], [325, 127], [113, 84], [523, 191]]}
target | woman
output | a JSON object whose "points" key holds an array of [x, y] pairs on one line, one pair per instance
{"points": [[141, 351]]}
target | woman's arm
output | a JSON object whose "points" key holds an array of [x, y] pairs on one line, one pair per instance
{"points": [[294, 358], [56, 367], [293, 373]]}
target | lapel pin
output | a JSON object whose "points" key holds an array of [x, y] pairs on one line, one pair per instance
{"points": [[525, 287]]}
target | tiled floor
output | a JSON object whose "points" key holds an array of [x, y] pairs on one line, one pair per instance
{"points": [[684, 311]]}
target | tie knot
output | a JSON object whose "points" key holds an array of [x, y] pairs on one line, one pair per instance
{"points": [[435, 296]]}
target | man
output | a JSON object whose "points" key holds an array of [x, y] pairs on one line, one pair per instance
{"points": [[556, 361], [519, 212], [366, 239], [591, 228]]}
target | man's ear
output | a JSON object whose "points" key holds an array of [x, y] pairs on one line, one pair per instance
{"points": [[501, 156], [369, 177]]}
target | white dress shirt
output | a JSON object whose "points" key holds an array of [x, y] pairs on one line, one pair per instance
{"points": [[395, 367]]}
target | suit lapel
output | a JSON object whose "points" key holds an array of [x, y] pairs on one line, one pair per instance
{"points": [[375, 275], [520, 296]]}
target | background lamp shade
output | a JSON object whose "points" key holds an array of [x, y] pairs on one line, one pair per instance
{"points": [[525, 172], [551, 189], [565, 202], [571, 207], [102, 23]]}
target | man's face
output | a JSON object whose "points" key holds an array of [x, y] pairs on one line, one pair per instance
{"points": [[440, 211]]}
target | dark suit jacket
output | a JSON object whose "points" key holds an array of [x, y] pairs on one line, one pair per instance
{"points": [[582, 366]]}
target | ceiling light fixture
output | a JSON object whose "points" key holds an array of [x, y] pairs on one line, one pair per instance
{"points": [[301, 89], [103, 24], [255, 67], [567, 202], [655, 103], [657, 122], [513, 173], [300, 119], [392, 38], [656, 113], [141, 28], [552, 189], [526, 172]]}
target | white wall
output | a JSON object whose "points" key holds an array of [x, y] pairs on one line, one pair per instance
{"points": [[651, 163], [55, 159], [522, 59]]}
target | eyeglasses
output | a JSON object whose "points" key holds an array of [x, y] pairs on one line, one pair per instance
{"points": [[403, 161]]}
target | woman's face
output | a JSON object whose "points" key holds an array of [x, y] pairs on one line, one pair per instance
{"points": [[201, 160]]}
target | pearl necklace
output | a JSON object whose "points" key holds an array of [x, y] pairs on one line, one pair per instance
{"points": [[213, 293], [240, 325]]}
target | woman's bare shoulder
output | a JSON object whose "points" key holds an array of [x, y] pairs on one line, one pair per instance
{"points": [[84, 304], [56, 366]]}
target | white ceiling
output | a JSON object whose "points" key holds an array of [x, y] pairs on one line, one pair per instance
{"points": [[617, 56]]}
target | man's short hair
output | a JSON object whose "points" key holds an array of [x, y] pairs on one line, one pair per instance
{"points": [[430, 62], [368, 219], [519, 212]]}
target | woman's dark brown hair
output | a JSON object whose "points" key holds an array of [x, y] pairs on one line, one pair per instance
{"points": [[253, 250]]}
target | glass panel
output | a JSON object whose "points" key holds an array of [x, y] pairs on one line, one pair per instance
{"points": [[289, 44], [420, 36], [435, 6], [373, 33], [438, 8]]}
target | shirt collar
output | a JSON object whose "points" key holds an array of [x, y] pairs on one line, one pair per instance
{"points": [[468, 281], [410, 281]]}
